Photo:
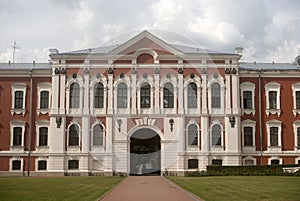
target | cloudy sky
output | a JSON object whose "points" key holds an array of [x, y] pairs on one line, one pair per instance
{"points": [[268, 30]]}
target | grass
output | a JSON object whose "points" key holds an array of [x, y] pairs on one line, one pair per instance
{"points": [[55, 188], [264, 188]]}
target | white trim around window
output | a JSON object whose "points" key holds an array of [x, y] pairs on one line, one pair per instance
{"points": [[196, 80], [274, 124], [22, 88], [37, 160], [40, 124], [296, 126], [15, 124], [192, 147], [273, 87], [274, 158], [251, 124], [216, 78], [96, 79], [11, 160], [248, 86], [70, 81], [73, 148], [142, 79], [44, 86], [220, 145], [295, 90], [98, 148], [249, 160], [118, 80]]}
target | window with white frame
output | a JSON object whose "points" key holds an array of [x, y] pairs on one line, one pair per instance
{"points": [[248, 135], [145, 94], [17, 133], [216, 135], [193, 163], [42, 130], [73, 139], [192, 135], [247, 97], [168, 95], [274, 160], [16, 164], [249, 161], [74, 99], [274, 135], [215, 95], [98, 135], [296, 126], [192, 95], [273, 98], [42, 165], [296, 98], [73, 164], [98, 95], [18, 98], [122, 99], [44, 96]]}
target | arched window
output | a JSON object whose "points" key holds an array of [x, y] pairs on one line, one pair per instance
{"points": [[192, 135], [192, 95], [98, 95], [216, 135], [74, 135], [98, 135], [215, 95], [145, 96], [74, 95], [168, 95], [122, 95]]}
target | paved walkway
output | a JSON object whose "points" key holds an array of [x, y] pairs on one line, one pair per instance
{"points": [[148, 188]]}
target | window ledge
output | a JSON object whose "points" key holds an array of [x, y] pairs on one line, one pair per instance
{"points": [[17, 148], [18, 111], [249, 111], [217, 148], [43, 111], [274, 148], [249, 149], [273, 111]]}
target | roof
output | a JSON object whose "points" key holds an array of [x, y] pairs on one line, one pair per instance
{"points": [[25, 66], [268, 66]]}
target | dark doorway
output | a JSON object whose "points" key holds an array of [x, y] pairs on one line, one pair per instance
{"points": [[145, 153]]}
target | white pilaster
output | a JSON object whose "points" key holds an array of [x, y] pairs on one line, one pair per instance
{"points": [[86, 94], [133, 94], [55, 94], [205, 142], [235, 94], [62, 106], [204, 94], [156, 92], [228, 94], [109, 134], [85, 134], [110, 94], [180, 94]]}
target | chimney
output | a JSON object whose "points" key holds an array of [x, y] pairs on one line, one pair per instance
{"points": [[238, 50]]}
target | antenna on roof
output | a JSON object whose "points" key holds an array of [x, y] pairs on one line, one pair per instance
{"points": [[14, 52]]}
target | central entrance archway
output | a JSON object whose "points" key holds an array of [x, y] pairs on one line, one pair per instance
{"points": [[145, 152]]}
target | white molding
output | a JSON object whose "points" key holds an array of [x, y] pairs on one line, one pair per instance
{"points": [[248, 86], [273, 86], [13, 124], [295, 88], [39, 124], [14, 88], [296, 125], [37, 164], [274, 158], [43, 86], [16, 159], [274, 123], [252, 124]]}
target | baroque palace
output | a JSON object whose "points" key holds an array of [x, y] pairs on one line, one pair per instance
{"points": [[146, 107]]}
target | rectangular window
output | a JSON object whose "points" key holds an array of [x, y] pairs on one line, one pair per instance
{"points": [[73, 164], [16, 165], [274, 136], [19, 100], [193, 164], [248, 136], [44, 100], [42, 165], [249, 162], [297, 99], [247, 99], [274, 162], [17, 136], [272, 100], [43, 136], [216, 162]]}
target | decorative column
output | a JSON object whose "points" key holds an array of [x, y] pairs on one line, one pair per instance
{"points": [[205, 142], [110, 91], [85, 118], [55, 91], [86, 99], [133, 94], [235, 92], [204, 91], [156, 91], [180, 91], [228, 92]]}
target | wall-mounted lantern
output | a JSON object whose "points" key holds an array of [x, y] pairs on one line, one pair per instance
{"points": [[232, 121], [119, 121], [58, 122], [171, 122]]}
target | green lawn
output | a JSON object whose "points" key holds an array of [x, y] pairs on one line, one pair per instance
{"points": [[242, 188], [55, 188]]}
